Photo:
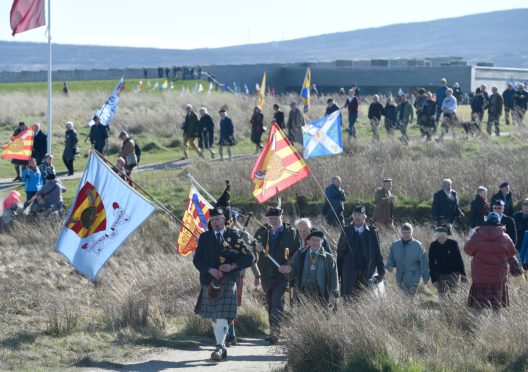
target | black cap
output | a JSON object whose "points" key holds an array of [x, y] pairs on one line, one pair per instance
{"points": [[21, 123], [316, 233], [504, 184], [215, 212], [222, 110], [329, 100], [359, 209], [387, 180], [95, 118], [498, 202], [274, 212]]}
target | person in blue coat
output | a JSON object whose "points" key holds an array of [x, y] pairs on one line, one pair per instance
{"points": [[32, 177], [227, 134]]}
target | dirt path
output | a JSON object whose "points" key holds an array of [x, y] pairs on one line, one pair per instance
{"points": [[249, 355]]}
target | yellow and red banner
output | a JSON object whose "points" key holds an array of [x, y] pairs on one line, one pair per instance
{"points": [[194, 221], [20, 146], [262, 93], [278, 166]]}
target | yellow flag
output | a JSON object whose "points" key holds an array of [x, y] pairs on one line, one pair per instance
{"points": [[262, 93]]}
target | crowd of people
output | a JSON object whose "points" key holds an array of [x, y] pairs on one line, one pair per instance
{"points": [[299, 262]]}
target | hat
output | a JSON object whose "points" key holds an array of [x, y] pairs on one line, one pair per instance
{"points": [[274, 212], [215, 212], [316, 233], [329, 100], [498, 202], [493, 219], [48, 156], [222, 110], [359, 209], [21, 123], [387, 180], [95, 118], [441, 229], [504, 184]]}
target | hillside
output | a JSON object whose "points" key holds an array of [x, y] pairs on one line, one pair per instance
{"points": [[479, 37]]}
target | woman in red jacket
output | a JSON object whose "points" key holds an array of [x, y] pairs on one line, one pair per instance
{"points": [[491, 250]]}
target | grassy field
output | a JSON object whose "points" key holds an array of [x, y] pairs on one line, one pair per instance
{"points": [[51, 317]]}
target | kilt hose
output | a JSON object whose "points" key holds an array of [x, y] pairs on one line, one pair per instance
{"points": [[225, 307]]}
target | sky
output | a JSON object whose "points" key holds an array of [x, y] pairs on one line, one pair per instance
{"points": [[177, 24]]}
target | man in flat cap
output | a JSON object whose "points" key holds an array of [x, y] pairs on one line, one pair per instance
{"points": [[505, 195], [219, 257], [506, 221], [384, 201], [358, 255], [315, 271], [272, 242], [331, 106]]}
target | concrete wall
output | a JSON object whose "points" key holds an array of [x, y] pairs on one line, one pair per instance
{"points": [[497, 76]]}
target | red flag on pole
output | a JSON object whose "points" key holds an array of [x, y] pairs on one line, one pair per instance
{"points": [[26, 15]]}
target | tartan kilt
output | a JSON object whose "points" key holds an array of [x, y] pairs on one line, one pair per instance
{"points": [[489, 295], [225, 307]]}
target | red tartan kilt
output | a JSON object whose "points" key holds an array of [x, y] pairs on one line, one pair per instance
{"points": [[240, 286], [489, 295]]}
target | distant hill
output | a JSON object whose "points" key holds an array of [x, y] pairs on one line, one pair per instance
{"points": [[498, 37]]}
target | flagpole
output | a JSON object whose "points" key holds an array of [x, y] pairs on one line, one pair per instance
{"points": [[50, 136]]}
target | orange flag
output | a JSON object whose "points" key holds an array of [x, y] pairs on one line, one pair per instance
{"points": [[20, 146], [278, 166]]}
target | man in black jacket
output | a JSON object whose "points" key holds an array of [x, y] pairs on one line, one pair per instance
{"points": [[375, 112], [272, 241], [506, 221], [331, 106], [445, 204], [505, 195], [521, 223], [40, 144], [358, 255], [219, 257]]}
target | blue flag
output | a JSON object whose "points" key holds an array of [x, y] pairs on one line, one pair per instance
{"points": [[108, 109], [323, 137], [105, 212]]}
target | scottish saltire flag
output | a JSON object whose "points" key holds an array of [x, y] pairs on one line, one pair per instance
{"points": [[305, 91], [194, 222], [323, 137], [108, 109], [105, 212], [401, 92], [246, 90]]}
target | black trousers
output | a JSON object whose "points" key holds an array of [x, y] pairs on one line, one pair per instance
{"points": [[69, 164]]}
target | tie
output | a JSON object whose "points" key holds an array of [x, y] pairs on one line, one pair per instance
{"points": [[219, 237]]}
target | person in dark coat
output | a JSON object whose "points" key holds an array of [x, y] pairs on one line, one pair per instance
{"points": [[521, 223], [479, 208], [206, 132], [19, 163], [40, 144], [331, 106], [352, 104], [70, 147], [520, 104], [428, 116], [334, 207], [446, 266], [227, 134], [98, 135], [491, 250], [445, 204], [507, 97], [506, 221], [477, 108], [495, 105], [190, 132], [220, 255], [278, 116], [358, 255], [375, 112], [272, 241], [257, 128], [505, 195], [391, 118]]}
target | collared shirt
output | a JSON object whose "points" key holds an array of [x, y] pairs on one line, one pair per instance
{"points": [[221, 232], [360, 229]]}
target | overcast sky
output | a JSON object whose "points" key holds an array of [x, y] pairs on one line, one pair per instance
{"points": [[215, 23]]}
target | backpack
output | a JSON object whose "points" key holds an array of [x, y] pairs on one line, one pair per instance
{"points": [[137, 150]]}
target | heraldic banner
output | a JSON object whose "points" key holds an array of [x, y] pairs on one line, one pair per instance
{"points": [[104, 213], [194, 222], [20, 146], [277, 167]]}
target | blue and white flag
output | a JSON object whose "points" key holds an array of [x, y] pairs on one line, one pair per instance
{"points": [[104, 213], [401, 92], [246, 90], [235, 88], [108, 109], [323, 137]]}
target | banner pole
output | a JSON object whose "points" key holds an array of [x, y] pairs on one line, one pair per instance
{"points": [[50, 134]]}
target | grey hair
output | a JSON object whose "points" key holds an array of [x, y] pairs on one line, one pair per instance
{"points": [[70, 123], [447, 180], [203, 109], [306, 221], [406, 227]]}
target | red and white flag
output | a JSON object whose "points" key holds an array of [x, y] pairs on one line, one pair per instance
{"points": [[26, 15]]}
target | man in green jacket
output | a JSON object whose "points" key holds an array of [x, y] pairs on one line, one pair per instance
{"points": [[408, 256], [405, 112], [315, 271], [272, 242]]}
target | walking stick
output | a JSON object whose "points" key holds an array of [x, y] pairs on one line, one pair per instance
{"points": [[287, 258]]}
